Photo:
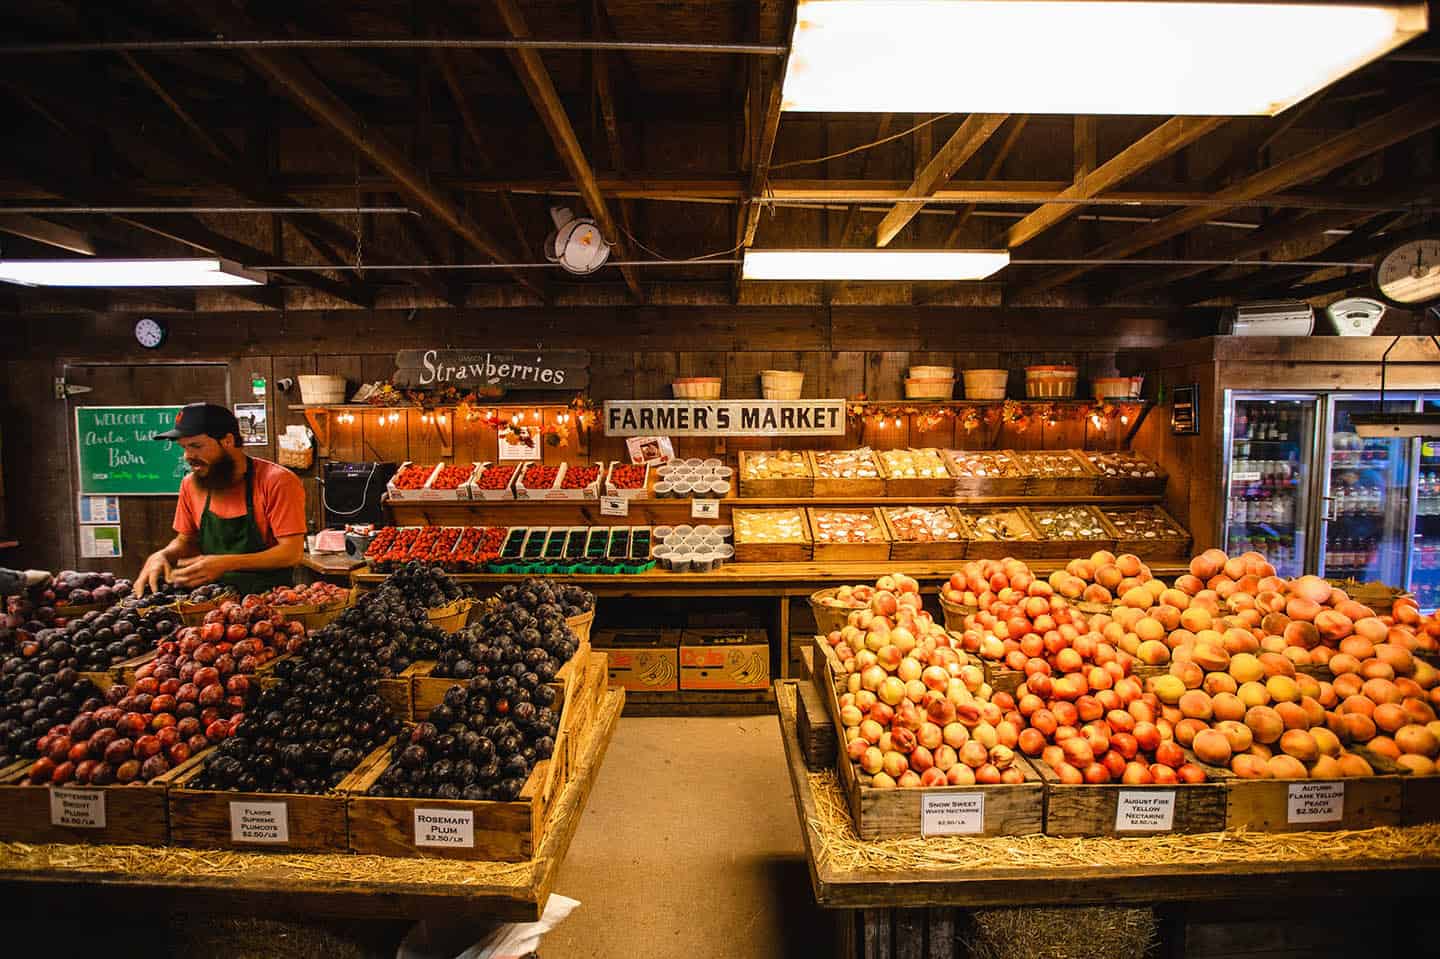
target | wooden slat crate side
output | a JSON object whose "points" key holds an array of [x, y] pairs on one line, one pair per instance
{"points": [[201, 817], [878, 552], [818, 738], [1419, 800], [800, 487], [1261, 805], [856, 488], [1090, 810], [398, 694]]}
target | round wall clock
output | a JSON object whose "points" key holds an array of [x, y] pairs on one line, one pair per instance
{"points": [[150, 333], [1408, 274]]}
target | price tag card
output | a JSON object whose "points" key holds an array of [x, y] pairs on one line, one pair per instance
{"points": [[259, 822], [1315, 802], [445, 827], [1249, 477], [1145, 810], [704, 509], [952, 814], [77, 808], [614, 506]]}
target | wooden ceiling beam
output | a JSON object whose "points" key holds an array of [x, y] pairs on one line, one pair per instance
{"points": [[1417, 116], [50, 234], [541, 90], [605, 93], [1164, 141], [947, 161]]}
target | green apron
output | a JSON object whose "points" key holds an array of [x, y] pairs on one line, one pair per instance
{"points": [[240, 534]]}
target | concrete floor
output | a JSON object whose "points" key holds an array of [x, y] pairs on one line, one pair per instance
{"points": [[690, 846]]}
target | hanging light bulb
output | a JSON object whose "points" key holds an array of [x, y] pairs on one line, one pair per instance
{"points": [[442, 419], [882, 422], [897, 422], [1124, 419], [1095, 421]]}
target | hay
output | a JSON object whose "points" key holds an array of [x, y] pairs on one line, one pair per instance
{"points": [[170, 862], [225, 937], [838, 846], [1077, 932]]}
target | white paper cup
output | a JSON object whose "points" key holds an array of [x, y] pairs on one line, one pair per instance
{"points": [[713, 463], [664, 490], [725, 551], [724, 473], [702, 562], [694, 462], [720, 488], [661, 533], [727, 533], [684, 529], [684, 489], [680, 561]]}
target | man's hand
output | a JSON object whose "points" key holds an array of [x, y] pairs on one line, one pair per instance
{"points": [[155, 572], [198, 570]]}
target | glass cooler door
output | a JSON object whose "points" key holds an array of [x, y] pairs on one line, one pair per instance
{"points": [[1367, 517], [1424, 579], [1270, 441]]}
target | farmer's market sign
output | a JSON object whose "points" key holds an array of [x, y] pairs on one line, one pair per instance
{"points": [[509, 370], [725, 417]]}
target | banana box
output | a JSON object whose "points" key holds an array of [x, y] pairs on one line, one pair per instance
{"points": [[724, 659], [641, 660]]}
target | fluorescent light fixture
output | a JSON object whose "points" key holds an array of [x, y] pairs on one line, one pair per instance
{"points": [[873, 264], [1081, 56], [97, 272]]}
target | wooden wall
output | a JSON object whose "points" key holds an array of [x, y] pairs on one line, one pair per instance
{"points": [[635, 353]]}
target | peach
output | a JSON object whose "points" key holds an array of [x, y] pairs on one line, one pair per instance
{"points": [[1301, 633], [1217, 683], [1274, 623], [1358, 728], [1417, 764], [1189, 674], [1282, 689], [1246, 668], [1292, 715], [1210, 658], [1300, 744], [1359, 647], [1397, 658], [1238, 735], [1381, 690], [1195, 618], [1300, 608], [1248, 767], [1186, 730], [1353, 765], [1384, 746], [1264, 723], [1276, 664], [1417, 739], [1285, 767], [1326, 767], [1169, 688], [1326, 741], [1226, 706], [1253, 694], [1196, 705], [1388, 717]]}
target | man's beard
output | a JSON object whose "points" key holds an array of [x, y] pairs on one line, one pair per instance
{"points": [[219, 476]]}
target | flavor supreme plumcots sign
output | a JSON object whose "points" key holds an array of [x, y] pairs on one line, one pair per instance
{"points": [[725, 417], [506, 370]]}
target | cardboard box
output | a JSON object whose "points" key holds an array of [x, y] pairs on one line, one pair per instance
{"points": [[641, 660], [724, 659]]}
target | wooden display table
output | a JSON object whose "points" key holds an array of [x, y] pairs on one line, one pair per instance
{"points": [[304, 886], [898, 909]]}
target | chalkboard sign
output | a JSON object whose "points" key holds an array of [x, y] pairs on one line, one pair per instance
{"points": [[119, 456]]}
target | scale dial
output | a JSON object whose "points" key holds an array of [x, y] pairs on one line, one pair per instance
{"points": [[150, 333], [1408, 275]]}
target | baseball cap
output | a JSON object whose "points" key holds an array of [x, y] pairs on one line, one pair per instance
{"points": [[197, 418]]}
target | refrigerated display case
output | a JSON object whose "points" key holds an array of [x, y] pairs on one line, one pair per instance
{"points": [[1270, 442], [1371, 513], [1370, 496]]}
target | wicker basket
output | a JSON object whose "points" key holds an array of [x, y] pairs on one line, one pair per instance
{"points": [[986, 384], [955, 615], [321, 389], [452, 617], [781, 384], [828, 618], [697, 388], [932, 373], [1115, 387], [300, 459], [1050, 382], [580, 625], [929, 389]]}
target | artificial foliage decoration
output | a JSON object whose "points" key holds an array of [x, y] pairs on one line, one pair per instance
{"points": [[1018, 415]]}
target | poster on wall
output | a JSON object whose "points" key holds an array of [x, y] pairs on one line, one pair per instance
{"points": [[253, 429], [725, 417], [1185, 410], [650, 450], [99, 510], [514, 447], [100, 542]]}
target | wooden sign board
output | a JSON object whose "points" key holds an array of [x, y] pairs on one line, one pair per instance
{"points": [[725, 417], [506, 370]]}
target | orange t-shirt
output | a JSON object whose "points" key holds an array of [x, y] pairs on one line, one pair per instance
{"points": [[279, 502]]}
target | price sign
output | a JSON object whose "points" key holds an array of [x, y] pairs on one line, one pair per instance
{"points": [[614, 506], [77, 808], [1145, 810], [260, 822], [952, 814], [705, 509], [1315, 802], [454, 828]]}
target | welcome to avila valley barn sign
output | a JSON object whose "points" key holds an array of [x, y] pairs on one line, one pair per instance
{"points": [[506, 370]]}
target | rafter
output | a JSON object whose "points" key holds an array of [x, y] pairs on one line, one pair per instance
{"points": [[536, 80], [1417, 116], [1165, 140], [50, 234], [762, 125], [605, 92], [947, 161]]}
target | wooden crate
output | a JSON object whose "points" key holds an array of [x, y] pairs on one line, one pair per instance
{"points": [[1003, 810], [1084, 482], [983, 485], [977, 547], [1175, 548], [906, 550], [868, 487], [496, 831], [427, 691], [1107, 485], [877, 552], [772, 552], [1051, 548], [1419, 795], [1265, 805], [915, 486], [799, 487], [255, 821], [819, 741], [108, 815], [1115, 809]]}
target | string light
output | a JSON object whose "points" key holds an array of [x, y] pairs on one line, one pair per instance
{"points": [[1096, 422], [897, 422], [441, 418], [1124, 419]]}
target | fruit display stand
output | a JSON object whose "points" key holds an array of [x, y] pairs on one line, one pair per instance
{"points": [[306, 885], [905, 897]]}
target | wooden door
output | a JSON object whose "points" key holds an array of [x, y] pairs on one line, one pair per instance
{"points": [[145, 521]]}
